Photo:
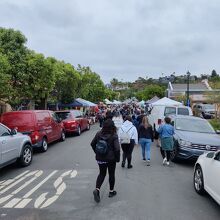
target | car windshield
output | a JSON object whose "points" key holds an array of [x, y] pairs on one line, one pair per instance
{"points": [[183, 111], [63, 115], [209, 107], [193, 125]]}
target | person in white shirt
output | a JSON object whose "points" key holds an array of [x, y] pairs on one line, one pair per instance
{"points": [[128, 137], [118, 121]]}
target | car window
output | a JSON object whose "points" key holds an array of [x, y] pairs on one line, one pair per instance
{"points": [[55, 117], [75, 113], [63, 115], [183, 111], [169, 111], [194, 125], [79, 114], [217, 157], [4, 131]]}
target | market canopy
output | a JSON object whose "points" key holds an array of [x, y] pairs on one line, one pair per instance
{"points": [[72, 104], [107, 102], [151, 101], [116, 102], [166, 101], [85, 102]]}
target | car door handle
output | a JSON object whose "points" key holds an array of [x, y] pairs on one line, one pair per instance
{"points": [[4, 142]]}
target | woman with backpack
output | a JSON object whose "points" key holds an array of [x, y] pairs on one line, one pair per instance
{"points": [[107, 149], [145, 135], [128, 138]]}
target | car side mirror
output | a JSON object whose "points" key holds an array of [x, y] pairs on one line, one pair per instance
{"points": [[216, 155], [14, 132]]}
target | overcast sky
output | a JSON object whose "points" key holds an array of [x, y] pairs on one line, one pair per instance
{"points": [[125, 39]]}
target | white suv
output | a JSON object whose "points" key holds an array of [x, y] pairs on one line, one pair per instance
{"points": [[14, 147], [206, 175]]}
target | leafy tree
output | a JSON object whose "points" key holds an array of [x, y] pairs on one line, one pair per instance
{"points": [[67, 82], [39, 78], [12, 45], [214, 74], [91, 87], [5, 86], [151, 91]]}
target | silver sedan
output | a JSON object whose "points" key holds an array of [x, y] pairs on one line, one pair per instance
{"points": [[14, 147]]}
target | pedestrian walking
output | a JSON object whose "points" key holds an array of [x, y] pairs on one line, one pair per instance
{"points": [[128, 138], [145, 136], [118, 120], [166, 132], [107, 149]]}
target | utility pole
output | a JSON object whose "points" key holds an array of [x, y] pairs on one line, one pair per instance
{"points": [[187, 100]]}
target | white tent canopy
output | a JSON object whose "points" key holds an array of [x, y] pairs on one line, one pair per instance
{"points": [[116, 102], [107, 102], [166, 101]]}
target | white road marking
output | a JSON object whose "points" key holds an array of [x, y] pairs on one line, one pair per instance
{"points": [[4, 199], [18, 181], [23, 203], [38, 185], [12, 203], [41, 201], [7, 182]]}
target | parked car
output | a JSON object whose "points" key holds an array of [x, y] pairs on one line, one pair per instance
{"points": [[158, 113], [193, 136], [206, 175], [14, 147], [73, 121], [43, 126], [206, 111]]}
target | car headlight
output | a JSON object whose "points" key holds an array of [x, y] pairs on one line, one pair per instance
{"points": [[184, 143]]}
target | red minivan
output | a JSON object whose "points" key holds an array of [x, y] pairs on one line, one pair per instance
{"points": [[73, 121], [43, 126]]}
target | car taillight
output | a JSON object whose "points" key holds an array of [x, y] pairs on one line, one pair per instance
{"points": [[159, 121], [35, 136]]}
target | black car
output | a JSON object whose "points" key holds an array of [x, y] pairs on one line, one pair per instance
{"points": [[193, 136]]}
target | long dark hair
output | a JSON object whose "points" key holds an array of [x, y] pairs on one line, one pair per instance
{"points": [[108, 127]]}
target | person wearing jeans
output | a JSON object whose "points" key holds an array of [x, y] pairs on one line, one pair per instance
{"points": [[145, 135]]}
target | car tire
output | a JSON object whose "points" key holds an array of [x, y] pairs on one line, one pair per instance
{"points": [[78, 133], [26, 155], [88, 127], [174, 153], [44, 145], [63, 136], [198, 180]]}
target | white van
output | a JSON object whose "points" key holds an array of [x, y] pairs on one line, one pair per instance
{"points": [[159, 112]]}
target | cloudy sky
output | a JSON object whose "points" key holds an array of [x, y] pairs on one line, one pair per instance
{"points": [[122, 38]]}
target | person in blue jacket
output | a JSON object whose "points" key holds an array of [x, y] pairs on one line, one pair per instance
{"points": [[166, 132]]}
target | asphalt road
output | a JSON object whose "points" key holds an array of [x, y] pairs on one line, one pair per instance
{"points": [[59, 184]]}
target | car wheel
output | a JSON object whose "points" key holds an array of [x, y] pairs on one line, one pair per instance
{"points": [[26, 155], [198, 180], [44, 146], [78, 131], [174, 154], [63, 136], [88, 127]]}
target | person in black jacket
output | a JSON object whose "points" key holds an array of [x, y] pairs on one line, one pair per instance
{"points": [[108, 160], [145, 136]]}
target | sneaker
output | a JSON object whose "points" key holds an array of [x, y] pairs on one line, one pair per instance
{"points": [[123, 164], [168, 163], [96, 195], [111, 194], [144, 159], [148, 162], [164, 160], [130, 166]]}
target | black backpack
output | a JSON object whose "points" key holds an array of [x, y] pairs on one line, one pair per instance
{"points": [[102, 146]]}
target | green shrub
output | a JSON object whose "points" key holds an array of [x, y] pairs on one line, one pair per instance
{"points": [[215, 123]]}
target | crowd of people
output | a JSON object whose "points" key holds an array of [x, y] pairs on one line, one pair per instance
{"points": [[123, 128]]}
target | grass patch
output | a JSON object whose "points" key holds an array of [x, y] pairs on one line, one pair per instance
{"points": [[215, 123]]}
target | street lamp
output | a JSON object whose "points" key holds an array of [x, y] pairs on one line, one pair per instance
{"points": [[187, 100]]}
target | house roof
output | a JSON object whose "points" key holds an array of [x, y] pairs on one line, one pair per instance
{"points": [[192, 87]]}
